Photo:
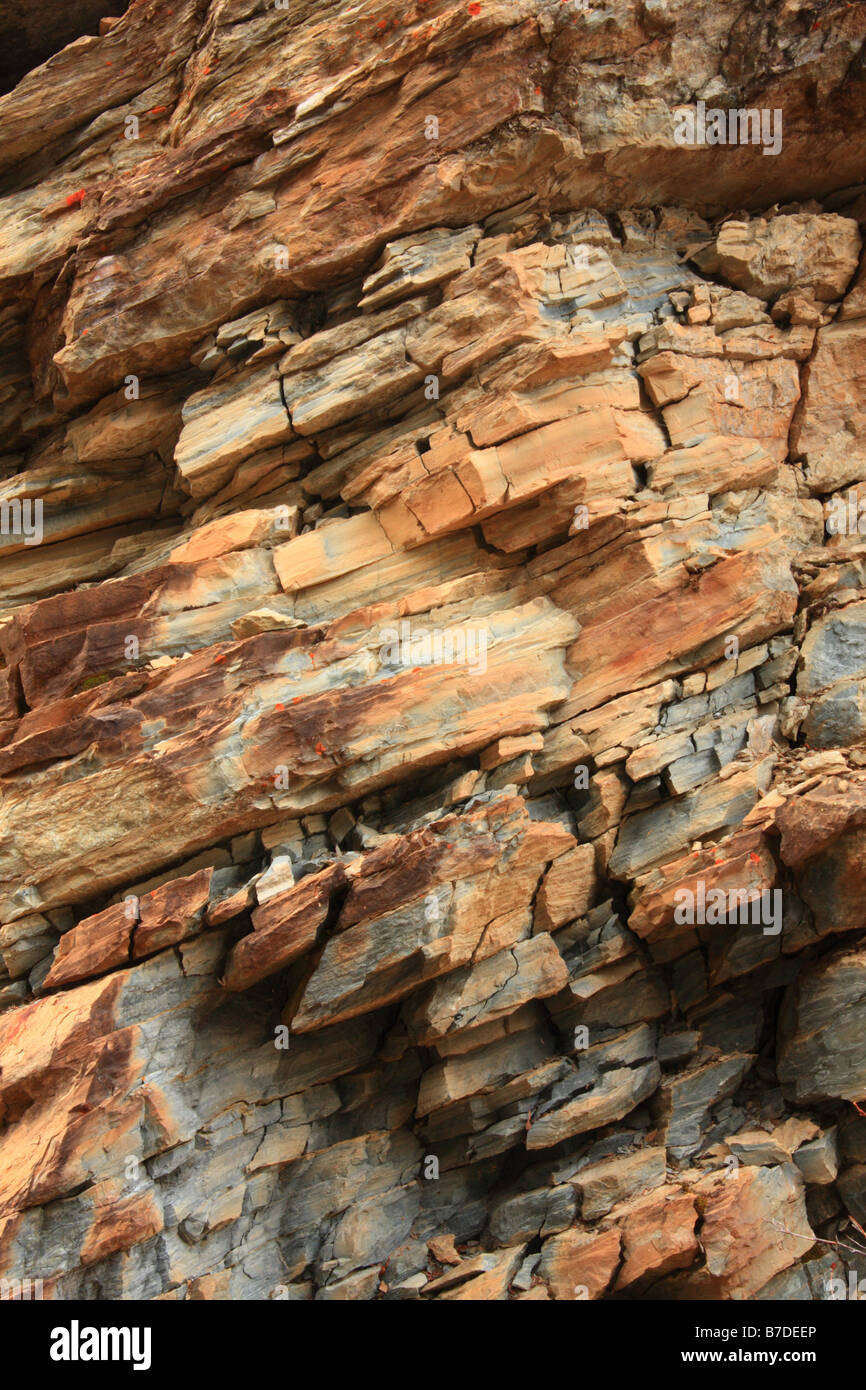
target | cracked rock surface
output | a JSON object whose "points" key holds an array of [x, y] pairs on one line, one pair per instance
{"points": [[433, 642]]}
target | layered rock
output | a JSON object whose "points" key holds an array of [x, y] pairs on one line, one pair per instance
{"points": [[432, 715]]}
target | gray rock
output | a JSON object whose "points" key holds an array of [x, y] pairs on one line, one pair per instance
{"points": [[523, 1278], [834, 649], [851, 1186], [818, 1160], [542, 1212], [822, 1030], [675, 1048], [686, 1100], [602, 1185], [851, 1135], [791, 1286], [823, 1204]]}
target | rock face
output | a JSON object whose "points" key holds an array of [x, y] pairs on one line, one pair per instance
{"points": [[433, 632]]}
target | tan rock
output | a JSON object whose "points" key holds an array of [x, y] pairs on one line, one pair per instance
{"points": [[415, 493], [602, 1185], [568, 888], [237, 532], [829, 424], [485, 1278], [577, 1264], [815, 252], [96, 945], [658, 1236], [753, 1227], [444, 1251], [285, 928]]}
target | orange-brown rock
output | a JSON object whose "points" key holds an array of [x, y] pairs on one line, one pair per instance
{"points": [[432, 650]]}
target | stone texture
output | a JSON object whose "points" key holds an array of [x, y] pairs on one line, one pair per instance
{"points": [[821, 1037], [418, 587], [754, 1226]]}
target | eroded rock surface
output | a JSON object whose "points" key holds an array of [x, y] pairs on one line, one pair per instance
{"points": [[433, 632]]}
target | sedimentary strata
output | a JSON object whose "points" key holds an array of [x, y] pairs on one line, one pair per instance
{"points": [[431, 556]]}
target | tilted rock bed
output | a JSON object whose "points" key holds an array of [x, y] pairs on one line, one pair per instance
{"points": [[433, 602]]}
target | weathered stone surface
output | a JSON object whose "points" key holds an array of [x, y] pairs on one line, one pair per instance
{"points": [[381, 952], [619, 1092], [283, 929], [818, 1160], [813, 253], [480, 993], [779, 1146], [171, 913], [568, 888], [431, 550], [579, 1265], [486, 1278], [602, 1185], [822, 1049], [832, 678], [95, 946], [829, 429], [686, 1100], [530, 1214], [753, 1227], [658, 1236]]}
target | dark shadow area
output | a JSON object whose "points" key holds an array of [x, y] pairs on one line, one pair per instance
{"points": [[30, 32]]}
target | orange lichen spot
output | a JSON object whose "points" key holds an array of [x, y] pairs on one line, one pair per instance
{"points": [[155, 110], [279, 706], [77, 198], [296, 699], [217, 659], [321, 749], [755, 858], [474, 8]]}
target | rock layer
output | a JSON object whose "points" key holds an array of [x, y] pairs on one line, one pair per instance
{"points": [[432, 714]]}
